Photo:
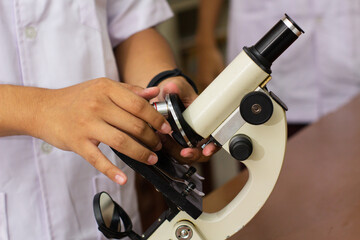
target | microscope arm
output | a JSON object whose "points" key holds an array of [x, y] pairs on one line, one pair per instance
{"points": [[264, 169]]}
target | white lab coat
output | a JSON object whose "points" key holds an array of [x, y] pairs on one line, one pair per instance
{"points": [[46, 193], [320, 71]]}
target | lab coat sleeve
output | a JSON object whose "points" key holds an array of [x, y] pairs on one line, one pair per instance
{"points": [[127, 17]]}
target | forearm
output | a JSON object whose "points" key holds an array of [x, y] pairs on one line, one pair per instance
{"points": [[208, 16], [142, 56], [19, 109]]}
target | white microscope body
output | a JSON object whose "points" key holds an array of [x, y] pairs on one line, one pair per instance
{"points": [[238, 113], [264, 164], [206, 117]]}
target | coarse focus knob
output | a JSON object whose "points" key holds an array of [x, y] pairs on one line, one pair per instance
{"points": [[256, 108], [240, 147]]}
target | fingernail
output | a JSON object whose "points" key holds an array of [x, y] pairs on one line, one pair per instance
{"points": [[120, 179], [165, 128], [152, 159], [189, 155], [149, 88], [208, 153], [158, 147]]}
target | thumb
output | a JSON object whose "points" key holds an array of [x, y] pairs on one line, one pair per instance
{"points": [[147, 93]]}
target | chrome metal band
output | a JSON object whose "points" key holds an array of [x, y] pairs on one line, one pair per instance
{"points": [[291, 26], [176, 120]]}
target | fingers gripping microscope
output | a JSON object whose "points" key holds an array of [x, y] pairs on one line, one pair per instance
{"points": [[236, 112]]}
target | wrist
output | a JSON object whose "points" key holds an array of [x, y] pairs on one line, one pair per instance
{"points": [[20, 110], [43, 103], [166, 75], [32, 120]]}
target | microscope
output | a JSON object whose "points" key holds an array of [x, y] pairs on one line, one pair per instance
{"points": [[237, 112]]}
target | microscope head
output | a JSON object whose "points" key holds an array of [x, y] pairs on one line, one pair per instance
{"points": [[209, 115]]}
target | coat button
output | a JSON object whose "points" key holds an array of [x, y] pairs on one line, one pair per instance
{"points": [[46, 148], [30, 32]]}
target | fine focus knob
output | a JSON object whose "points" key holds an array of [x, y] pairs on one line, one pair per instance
{"points": [[240, 147]]}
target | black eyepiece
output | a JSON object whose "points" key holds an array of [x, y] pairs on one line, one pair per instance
{"points": [[274, 43]]}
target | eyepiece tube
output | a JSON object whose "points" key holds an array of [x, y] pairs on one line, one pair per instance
{"points": [[274, 43]]}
